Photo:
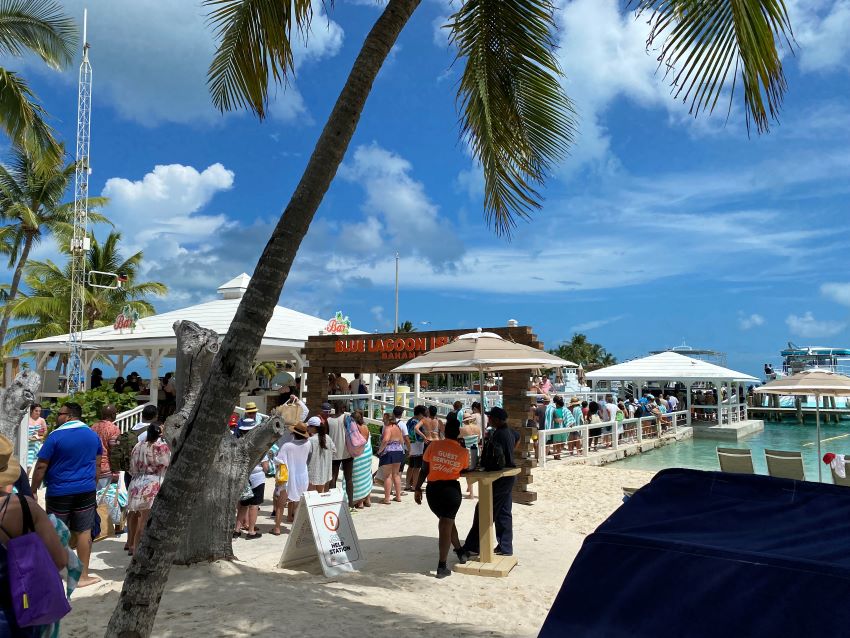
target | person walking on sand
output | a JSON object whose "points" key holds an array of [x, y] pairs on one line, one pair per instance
{"points": [[108, 433], [149, 462], [320, 458], [362, 472], [68, 461], [507, 439], [341, 456], [391, 454], [294, 455], [249, 507], [36, 431], [442, 465], [417, 445]]}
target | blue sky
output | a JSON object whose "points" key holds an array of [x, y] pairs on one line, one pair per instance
{"points": [[659, 228]]}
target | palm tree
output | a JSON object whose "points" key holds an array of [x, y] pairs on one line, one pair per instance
{"points": [[39, 26], [406, 326], [265, 369], [31, 194], [519, 124], [581, 351], [44, 309]]}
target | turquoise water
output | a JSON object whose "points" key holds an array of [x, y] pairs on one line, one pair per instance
{"points": [[701, 454]]}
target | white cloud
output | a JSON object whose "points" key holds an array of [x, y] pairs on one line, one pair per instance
{"points": [[595, 323], [159, 213], [400, 214], [822, 30], [809, 327], [150, 59], [752, 321], [838, 292]]}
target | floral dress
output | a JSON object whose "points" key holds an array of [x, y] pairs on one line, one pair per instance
{"points": [[148, 463]]}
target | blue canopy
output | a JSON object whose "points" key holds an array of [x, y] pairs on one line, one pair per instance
{"points": [[717, 555]]}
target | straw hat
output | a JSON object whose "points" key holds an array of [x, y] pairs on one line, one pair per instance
{"points": [[299, 428], [250, 407], [574, 402], [10, 469]]}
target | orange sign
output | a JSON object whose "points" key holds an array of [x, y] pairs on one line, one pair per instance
{"points": [[392, 347]]}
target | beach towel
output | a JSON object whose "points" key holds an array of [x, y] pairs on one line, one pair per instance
{"points": [[837, 464]]}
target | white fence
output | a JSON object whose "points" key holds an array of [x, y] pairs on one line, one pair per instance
{"points": [[128, 419], [634, 431]]}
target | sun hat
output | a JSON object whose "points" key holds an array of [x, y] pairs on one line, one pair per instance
{"points": [[575, 401], [250, 407], [10, 469], [326, 407], [247, 424], [299, 428], [314, 422]]}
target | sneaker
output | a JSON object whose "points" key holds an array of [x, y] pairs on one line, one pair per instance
{"points": [[499, 552], [462, 556], [442, 572]]}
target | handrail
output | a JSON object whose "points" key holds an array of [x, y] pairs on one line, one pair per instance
{"points": [[129, 418], [670, 419]]}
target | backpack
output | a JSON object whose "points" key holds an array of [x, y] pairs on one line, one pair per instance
{"points": [[641, 411], [120, 453], [361, 389], [412, 434], [38, 595], [492, 456], [355, 442]]}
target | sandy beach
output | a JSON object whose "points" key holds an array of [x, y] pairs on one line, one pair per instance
{"points": [[395, 591]]}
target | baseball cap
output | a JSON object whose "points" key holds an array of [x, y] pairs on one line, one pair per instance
{"points": [[498, 413], [314, 421], [326, 407]]}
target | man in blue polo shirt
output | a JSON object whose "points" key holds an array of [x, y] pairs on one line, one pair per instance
{"points": [[69, 460]]}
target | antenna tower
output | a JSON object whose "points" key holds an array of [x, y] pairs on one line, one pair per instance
{"points": [[80, 240]]}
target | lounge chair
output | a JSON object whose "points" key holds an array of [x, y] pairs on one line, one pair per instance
{"points": [[782, 464], [736, 460], [840, 481]]}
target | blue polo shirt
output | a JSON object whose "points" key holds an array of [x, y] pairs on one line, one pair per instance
{"points": [[71, 453]]}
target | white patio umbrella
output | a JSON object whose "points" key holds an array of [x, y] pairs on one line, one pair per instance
{"points": [[820, 383], [481, 352]]}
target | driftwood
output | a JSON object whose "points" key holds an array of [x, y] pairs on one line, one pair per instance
{"points": [[15, 403]]}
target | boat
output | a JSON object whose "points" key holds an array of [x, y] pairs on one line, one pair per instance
{"points": [[797, 359]]}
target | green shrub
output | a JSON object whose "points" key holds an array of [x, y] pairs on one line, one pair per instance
{"points": [[93, 401]]}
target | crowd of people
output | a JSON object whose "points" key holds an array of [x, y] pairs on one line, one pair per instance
{"points": [[609, 415]]}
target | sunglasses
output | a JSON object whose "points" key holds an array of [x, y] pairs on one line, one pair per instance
{"points": [[63, 414]]}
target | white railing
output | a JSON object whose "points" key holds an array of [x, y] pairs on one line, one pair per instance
{"points": [[128, 419], [634, 432]]}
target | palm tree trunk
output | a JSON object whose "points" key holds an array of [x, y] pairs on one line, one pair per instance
{"points": [[13, 291], [134, 614]]}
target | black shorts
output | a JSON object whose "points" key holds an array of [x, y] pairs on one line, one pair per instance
{"points": [[77, 511], [258, 498], [444, 498], [415, 461]]}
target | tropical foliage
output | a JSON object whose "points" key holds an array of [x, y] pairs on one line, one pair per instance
{"points": [[43, 310], [93, 401], [40, 27], [406, 326], [265, 370], [31, 203], [589, 355]]}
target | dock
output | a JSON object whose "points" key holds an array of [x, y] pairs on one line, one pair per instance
{"points": [[827, 415]]}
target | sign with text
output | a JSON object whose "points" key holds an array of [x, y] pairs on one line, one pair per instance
{"points": [[323, 528], [391, 348], [339, 325]]}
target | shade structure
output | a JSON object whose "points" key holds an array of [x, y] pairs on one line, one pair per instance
{"points": [[820, 383], [668, 366], [482, 351]]}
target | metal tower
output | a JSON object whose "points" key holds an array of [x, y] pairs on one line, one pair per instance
{"points": [[80, 241]]}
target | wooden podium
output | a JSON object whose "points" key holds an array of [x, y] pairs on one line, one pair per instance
{"points": [[488, 564]]}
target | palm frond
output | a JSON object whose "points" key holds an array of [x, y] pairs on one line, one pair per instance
{"points": [[708, 45], [23, 118], [255, 41], [40, 26], [513, 111]]}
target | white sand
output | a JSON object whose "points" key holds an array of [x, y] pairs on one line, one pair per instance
{"points": [[395, 593]]}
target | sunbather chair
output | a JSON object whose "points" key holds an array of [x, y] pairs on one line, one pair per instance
{"points": [[732, 459], [783, 464]]}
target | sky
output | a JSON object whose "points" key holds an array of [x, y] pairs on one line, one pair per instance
{"points": [[658, 229]]}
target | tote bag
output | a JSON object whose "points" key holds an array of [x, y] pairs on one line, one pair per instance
{"points": [[38, 596], [355, 442], [290, 411]]}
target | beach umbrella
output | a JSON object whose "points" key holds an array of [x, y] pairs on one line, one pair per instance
{"points": [[820, 383], [481, 352]]}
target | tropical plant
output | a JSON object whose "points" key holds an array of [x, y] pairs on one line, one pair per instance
{"points": [[43, 310], [266, 370], [406, 326], [93, 401], [518, 123], [39, 26], [589, 355], [31, 194]]}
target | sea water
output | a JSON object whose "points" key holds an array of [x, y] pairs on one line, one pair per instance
{"points": [[701, 454]]}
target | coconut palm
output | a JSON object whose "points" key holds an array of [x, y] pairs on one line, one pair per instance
{"points": [[589, 355], [31, 203], [43, 310], [518, 123], [41, 27], [265, 369], [406, 326]]}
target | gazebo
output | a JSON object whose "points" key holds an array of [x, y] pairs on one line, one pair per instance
{"points": [[672, 367], [152, 338]]}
